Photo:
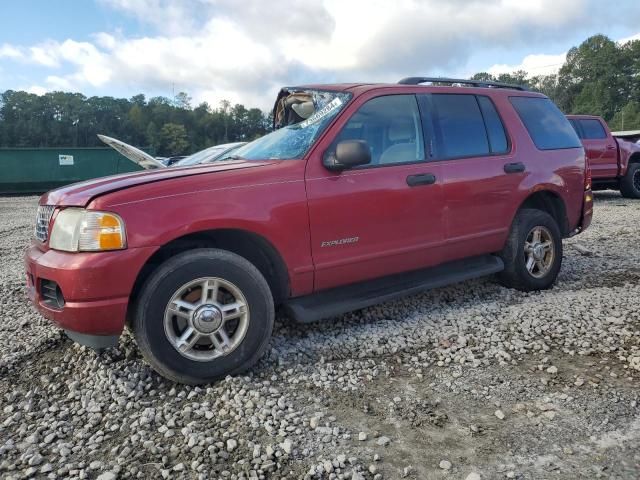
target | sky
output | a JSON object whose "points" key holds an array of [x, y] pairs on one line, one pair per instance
{"points": [[245, 50]]}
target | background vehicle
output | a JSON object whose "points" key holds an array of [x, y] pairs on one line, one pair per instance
{"points": [[168, 161], [146, 161], [379, 191], [210, 154], [615, 163]]}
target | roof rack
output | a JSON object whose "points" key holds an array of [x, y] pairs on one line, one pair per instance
{"points": [[475, 83]]}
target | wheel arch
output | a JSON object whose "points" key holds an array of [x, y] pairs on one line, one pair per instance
{"points": [[249, 245], [552, 203]]}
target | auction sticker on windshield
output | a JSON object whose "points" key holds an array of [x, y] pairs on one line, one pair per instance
{"points": [[322, 113]]}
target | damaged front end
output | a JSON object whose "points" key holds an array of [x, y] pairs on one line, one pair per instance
{"points": [[300, 115], [297, 105]]}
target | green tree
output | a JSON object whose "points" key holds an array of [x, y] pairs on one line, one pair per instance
{"points": [[626, 118], [594, 78], [183, 100], [173, 140]]}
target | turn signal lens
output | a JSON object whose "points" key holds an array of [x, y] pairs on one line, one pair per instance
{"points": [[101, 231]]}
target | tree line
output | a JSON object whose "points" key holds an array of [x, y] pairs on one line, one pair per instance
{"points": [[159, 125], [599, 77]]}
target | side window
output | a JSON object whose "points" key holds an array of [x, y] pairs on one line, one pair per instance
{"points": [[548, 127], [495, 129], [593, 129], [576, 127], [391, 127], [458, 125]]}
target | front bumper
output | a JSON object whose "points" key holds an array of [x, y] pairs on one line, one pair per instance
{"points": [[96, 288]]}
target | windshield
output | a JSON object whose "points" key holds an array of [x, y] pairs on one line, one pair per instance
{"points": [[293, 141]]}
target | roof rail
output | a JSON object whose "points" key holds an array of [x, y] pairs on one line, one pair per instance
{"points": [[475, 83]]}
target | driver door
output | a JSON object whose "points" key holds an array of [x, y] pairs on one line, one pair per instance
{"points": [[377, 219]]}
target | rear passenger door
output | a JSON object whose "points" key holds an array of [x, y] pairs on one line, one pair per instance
{"points": [[600, 147], [479, 175]]}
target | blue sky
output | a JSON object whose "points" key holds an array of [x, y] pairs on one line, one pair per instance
{"points": [[243, 50]]}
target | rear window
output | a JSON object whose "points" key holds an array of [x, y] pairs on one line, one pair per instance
{"points": [[548, 127], [592, 129]]}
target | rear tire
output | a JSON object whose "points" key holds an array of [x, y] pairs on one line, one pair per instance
{"points": [[630, 183], [532, 255], [202, 315]]}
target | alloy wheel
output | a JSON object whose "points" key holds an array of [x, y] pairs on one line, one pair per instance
{"points": [[206, 318], [539, 251]]}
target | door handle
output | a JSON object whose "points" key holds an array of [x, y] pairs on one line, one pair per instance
{"points": [[421, 179], [517, 167], [611, 147]]}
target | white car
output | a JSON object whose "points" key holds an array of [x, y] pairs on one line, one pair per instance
{"points": [[147, 162]]}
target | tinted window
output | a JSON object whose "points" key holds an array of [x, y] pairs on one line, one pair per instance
{"points": [[458, 126], [391, 127], [593, 129], [548, 127], [495, 129], [576, 127]]}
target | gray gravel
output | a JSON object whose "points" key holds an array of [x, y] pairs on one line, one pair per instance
{"points": [[466, 382]]}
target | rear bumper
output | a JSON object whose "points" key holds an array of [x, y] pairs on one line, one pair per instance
{"points": [[587, 214], [95, 286], [587, 210]]}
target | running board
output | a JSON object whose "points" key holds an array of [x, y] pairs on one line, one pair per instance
{"points": [[337, 301]]}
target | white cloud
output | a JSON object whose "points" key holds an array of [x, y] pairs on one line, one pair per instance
{"points": [[622, 41], [542, 64], [44, 55], [538, 64], [244, 51], [9, 51], [36, 89]]}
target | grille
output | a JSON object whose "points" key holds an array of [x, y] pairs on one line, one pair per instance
{"points": [[42, 222]]}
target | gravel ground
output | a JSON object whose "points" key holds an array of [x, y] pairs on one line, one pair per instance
{"points": [[468, 382]]}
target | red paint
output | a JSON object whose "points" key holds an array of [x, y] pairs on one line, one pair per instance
{"points": [[296, 205], [608, 157]]}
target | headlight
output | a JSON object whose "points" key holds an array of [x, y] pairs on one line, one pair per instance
{"points": [[80, 230]]}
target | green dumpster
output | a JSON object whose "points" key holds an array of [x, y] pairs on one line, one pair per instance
{"points": [[37, 170]]}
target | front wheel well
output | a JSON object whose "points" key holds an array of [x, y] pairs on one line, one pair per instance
{"points": [[551, 203], [251, 246]]}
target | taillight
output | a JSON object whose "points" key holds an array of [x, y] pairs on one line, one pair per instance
{"points": [[587, 175]]}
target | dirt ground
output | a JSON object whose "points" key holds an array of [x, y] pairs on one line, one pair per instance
{"points": [[472, 378]]}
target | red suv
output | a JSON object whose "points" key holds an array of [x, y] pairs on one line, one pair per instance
{"points": [[363, 192]]}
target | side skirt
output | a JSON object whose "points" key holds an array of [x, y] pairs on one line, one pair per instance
{"points": [[340, 300]]}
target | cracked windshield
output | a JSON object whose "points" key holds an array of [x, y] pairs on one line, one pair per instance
{"points": [[299, 118]]}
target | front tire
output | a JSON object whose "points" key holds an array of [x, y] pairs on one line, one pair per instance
{"points": [[202, 315], [630, 183], [532, 255]]}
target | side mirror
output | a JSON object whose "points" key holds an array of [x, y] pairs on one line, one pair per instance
{"points": [[348, 154]]}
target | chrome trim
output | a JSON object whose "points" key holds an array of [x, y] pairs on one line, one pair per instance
{"points": [[43, 218]]}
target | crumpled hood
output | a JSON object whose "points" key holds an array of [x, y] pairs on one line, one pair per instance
{"points": [[80, 194]]}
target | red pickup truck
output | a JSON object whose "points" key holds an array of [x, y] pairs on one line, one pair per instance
{"points": [[362, 193], [615, 163]]}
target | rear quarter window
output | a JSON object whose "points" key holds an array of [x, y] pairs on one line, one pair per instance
{"points": [[548, 127], [495, 130]]}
